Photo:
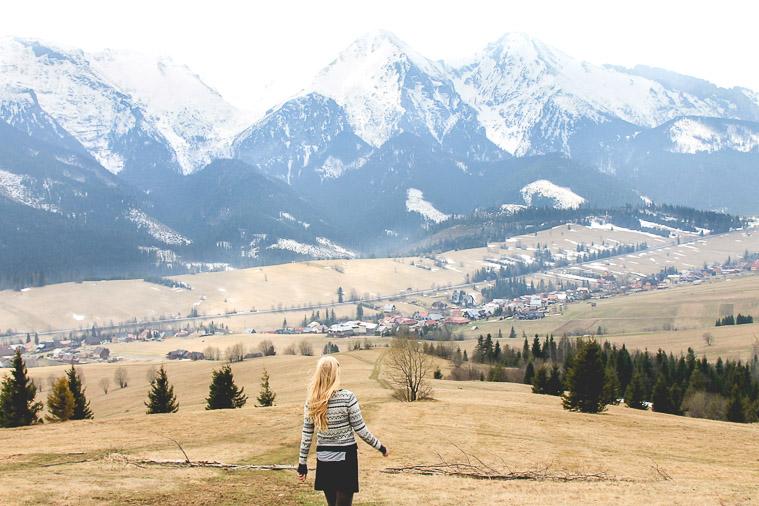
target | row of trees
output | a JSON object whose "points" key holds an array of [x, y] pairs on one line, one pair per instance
{"points": [[67, 399], [595, 375], [734, 320]]}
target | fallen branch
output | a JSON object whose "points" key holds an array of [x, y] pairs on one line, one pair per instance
{"points": [[473, 467], [125, 459]]}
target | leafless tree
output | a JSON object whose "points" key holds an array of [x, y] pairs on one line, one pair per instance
{"points": [[267, 348], [150, 374], [212, 353], [289, 350], [235, 353], [105, 384], [121, 377], [305, 348], [409, 369], [51, 380], [708, 338]]}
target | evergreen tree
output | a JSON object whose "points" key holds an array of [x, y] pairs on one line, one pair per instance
{"points": [[584, 380], [540, 381], [526, 350], [736, 411], [17, 405], [466, 358], [612, 388], [554, 386], [662, 396], [529, 373], [60, 401], [536, 353], [82, 408], [223, 393], [359, 312], [513, 333], [266, 396], [340, 295], [161, 398], [634, 395]]}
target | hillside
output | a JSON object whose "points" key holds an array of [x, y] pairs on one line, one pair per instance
{"points": [[710, 460]]}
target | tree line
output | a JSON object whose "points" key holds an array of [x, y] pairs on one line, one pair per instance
{"points": [[67, 399]]}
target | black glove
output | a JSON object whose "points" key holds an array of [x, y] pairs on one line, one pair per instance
{"points": [[383, 450], [302, 469]]}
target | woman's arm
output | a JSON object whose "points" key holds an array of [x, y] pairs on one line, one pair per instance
{"points": [[358, 425], [306, 437]]}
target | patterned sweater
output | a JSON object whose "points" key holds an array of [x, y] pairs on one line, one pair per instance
{"points": [[343, 417]]}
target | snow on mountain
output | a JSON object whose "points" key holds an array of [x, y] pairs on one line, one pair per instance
{"points": [[18, 188], [531, 98], [700, 135], [385, 88], [194, 118], [415, 203], [156, 229], [103, 119], [323, 249], [543, 189]]}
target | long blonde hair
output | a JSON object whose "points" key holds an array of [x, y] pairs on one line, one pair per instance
{"points": [[324, 383]]}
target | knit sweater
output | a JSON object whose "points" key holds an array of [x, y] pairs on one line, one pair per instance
{"points": [[343, 418]]}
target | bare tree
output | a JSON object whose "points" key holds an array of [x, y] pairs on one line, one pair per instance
{"points": [[235, 353], [212, 353], [289, 350], [121, 377], [408, 369], [708, 338], [105, 384], [305, 348], [150, 374], [51, 380], [267, 348]]}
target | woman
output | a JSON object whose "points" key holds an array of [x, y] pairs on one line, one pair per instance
{"points": [[334, 413]]}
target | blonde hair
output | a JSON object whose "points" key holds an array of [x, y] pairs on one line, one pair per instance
{"points": [[324, 383]]}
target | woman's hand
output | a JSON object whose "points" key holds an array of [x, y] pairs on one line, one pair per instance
{"points": [[302, 472]]}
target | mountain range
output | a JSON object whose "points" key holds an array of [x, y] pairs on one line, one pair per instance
{"points": [[382, 144]]}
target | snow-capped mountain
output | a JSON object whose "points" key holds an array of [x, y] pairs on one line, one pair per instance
{"points": [[534, 99], [194, 119], [306, 136], [100, 117]]}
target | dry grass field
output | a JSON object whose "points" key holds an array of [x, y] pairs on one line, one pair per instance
{"points": [[214, 295], [73, 463]]}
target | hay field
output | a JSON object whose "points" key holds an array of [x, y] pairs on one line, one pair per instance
{"points": [[709, 462]]}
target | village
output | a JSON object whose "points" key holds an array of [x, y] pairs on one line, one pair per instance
{"points": [[449, 311]]}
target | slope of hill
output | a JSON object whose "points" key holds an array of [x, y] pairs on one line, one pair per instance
{"points": [[503, 424]]}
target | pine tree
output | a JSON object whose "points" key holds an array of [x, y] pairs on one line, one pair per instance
{"points": [[340, 295], [359, 312], [661, 397], [540, 381], [554, 386], [513, 333], [223, 393], [536, 353], [161, 398], [635, 392], [17, 405], [612, 389], [584, 380], [60, 401], [735, 407], [529, 374], [266, 396], [82, 408]]}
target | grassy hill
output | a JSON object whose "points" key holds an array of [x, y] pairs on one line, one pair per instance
{"points": [[72, 463]]}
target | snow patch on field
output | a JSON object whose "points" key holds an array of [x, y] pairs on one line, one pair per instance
{"points": [[563, 198], [156, 229], [415, 203]]}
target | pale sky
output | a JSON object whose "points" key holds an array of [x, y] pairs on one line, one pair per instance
{"points": [[258, 53]]}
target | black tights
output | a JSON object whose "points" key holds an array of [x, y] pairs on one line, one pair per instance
{"points": [[338, 497]]}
